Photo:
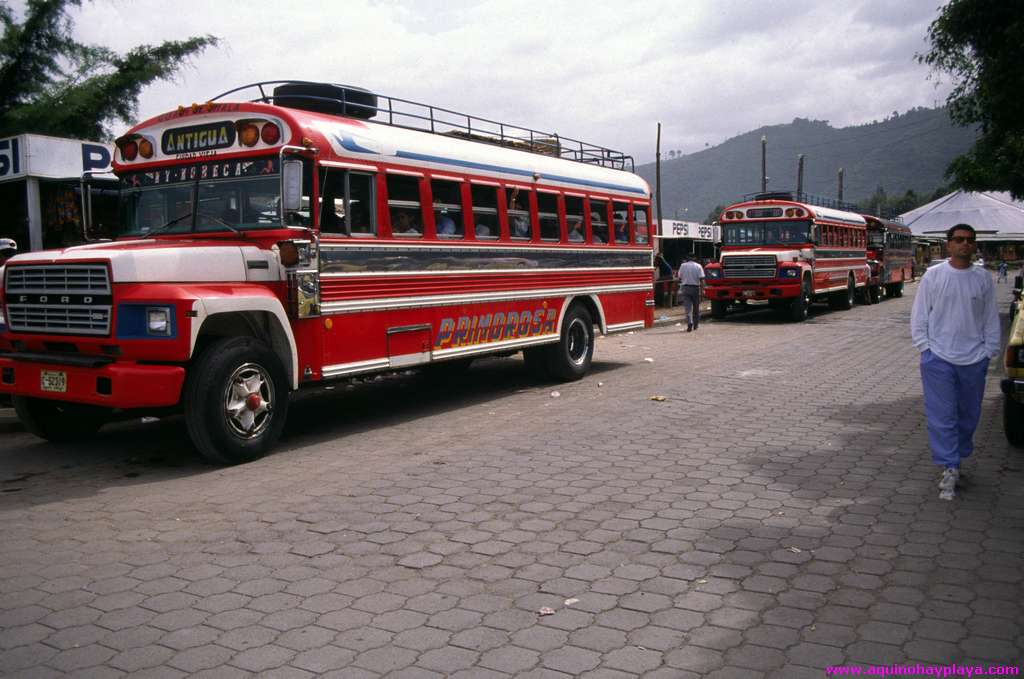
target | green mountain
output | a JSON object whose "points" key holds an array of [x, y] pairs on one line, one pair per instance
{"points": [[908, 151]]}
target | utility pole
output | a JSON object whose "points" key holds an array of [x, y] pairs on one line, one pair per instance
{"points": [[764, 164], [657, 175], [840, 185], [800, 176]]}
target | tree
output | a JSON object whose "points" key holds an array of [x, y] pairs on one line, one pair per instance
{"points": [[715, 214], [979, 43], [52, 84]]}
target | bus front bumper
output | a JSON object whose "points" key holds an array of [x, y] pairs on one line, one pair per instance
{"points": [[760, 290], [96, 382]]}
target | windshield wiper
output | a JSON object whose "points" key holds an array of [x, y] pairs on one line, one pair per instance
{"points": [[222, 223], [165, 226]]}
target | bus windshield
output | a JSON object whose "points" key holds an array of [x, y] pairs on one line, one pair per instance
{"points": [[876, 239], [207, 197], [767, 232]]}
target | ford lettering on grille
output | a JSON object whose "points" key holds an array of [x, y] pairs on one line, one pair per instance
{"points": [[66, 300]]}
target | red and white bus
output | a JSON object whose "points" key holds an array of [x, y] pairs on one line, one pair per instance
{"points": [[788, 254], [314, 233], [890, 258]]}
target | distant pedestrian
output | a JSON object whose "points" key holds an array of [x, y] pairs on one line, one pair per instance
{"points": [[691, 288], [1001, 278], [955, 325]]}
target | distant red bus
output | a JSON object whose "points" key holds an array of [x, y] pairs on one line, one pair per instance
{"points": [[890, 258], [788, 254]]}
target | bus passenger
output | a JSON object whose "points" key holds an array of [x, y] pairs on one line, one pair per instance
{"points": [[445, 225], [520, 227], [405, 225], [575, 235]]}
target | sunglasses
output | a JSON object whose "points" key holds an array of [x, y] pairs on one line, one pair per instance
{"points": [[963, 239]]}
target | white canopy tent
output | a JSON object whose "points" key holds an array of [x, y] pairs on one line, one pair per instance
{"points": [[993, 214]]}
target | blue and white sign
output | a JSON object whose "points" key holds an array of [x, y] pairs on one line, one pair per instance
{"points": [[33, 155]]}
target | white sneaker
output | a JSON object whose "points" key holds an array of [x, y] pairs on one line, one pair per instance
{"points": [[949, 479], [947, 494]]}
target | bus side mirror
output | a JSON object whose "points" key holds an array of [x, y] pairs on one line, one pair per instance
{"points": [[291, 185]]}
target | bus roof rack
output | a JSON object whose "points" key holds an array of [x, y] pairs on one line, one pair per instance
{"points": [[356, 102], [807, 198]]}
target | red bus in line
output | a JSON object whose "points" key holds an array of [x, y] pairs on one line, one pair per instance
{"points": [[890, 258], [317, 232], [787, 254]]}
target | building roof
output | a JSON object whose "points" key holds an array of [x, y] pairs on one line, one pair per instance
{"points": [[993, 214]]}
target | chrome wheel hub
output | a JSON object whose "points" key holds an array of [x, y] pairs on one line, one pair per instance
{"points": [[248, 400], [579, 342]]}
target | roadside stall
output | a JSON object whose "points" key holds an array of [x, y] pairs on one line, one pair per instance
{"points": [[676, 238], [41, 182]]}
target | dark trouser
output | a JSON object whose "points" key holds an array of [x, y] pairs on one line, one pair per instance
{"points": [[690, 296]]}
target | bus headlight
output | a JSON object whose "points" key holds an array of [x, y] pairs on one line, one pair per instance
{"points": [[713, 273], [789, 272], [158, 321]]}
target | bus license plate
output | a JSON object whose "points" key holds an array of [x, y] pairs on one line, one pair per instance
{"points": [[53, 380], [750, 293]]}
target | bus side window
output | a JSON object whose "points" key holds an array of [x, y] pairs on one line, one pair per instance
{"points": [[574, 219], [547, 209], [448, 209], [518, 212], [404, 205], [485, 211], [620, 220], [640, 222], [361, 205], [346, 203], [599, 221], [332, 201]]}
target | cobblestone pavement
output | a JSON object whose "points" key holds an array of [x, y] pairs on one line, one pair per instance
{"points": [[777, 513]]}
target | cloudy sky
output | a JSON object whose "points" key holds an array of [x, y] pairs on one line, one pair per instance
{"points": [[604, 72]]}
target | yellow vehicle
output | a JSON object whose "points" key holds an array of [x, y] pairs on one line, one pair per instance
{"points": [[1013, 384]]}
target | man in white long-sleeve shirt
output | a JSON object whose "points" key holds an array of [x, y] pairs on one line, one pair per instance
{"points": [[955, 326]]}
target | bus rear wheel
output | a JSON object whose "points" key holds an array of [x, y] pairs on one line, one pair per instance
{"points": [[569, 359], [874, 294], [842, 300], [236, 400], [57, 421], [718, 309]]}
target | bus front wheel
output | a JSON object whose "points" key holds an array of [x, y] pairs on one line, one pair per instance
{"points": [[236, 400], [718, 309], [800, 305], [569, 359]]}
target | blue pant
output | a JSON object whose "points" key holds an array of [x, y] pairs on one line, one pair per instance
{"points": [[952, 405]]}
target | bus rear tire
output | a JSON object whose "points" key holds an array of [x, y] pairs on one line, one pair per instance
{"points": [[800, 306], [843, 300], [58, 421], [236, 400], [874, 294], [569, 359], [718, 309], [897, 289]]}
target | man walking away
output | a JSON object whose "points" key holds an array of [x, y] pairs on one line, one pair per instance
{"points": [[691, 287], [955, 325]]}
